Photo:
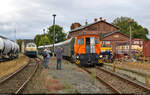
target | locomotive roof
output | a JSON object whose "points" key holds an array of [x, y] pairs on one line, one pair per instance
{"points": [[30, 43], [57, 44]]}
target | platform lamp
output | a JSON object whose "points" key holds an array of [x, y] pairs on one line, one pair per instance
{"points": [[54, 15], [130, 43]]}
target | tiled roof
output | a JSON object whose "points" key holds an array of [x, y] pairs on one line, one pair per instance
{"points": [[110, 33], [84, 26]]}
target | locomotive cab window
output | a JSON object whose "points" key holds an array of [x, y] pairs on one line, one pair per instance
{"points": [[80, 41]]}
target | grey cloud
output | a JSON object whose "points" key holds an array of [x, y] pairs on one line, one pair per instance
{"points": [[31, 16]]}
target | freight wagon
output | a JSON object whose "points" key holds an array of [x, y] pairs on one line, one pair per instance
{"points": [[8, 48]]}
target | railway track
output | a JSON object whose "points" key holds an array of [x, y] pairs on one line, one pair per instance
{"points": [[6, 59], [117, 83], [15, 82]]}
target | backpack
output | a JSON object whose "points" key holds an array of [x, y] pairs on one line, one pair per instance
{"points": [[44, 54]]}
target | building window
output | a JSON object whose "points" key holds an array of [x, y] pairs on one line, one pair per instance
{"points": [[141, 42], [96, 41], [107, 42], [116, 36], [136, 42], [80, 41]]}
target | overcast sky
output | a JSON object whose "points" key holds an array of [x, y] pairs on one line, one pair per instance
{"points": [[29, 17]]}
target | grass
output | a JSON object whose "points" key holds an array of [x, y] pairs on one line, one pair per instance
{"points": [[11, 66], [93, 76], [68, 88]]}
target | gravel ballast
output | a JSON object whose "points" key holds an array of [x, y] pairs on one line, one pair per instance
{"points": [[71, 79]]}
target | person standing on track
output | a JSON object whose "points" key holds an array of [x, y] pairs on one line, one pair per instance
{"points": [[46, 57], [59, 52]]}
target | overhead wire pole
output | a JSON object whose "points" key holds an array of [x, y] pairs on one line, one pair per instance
{"points": [[54, 15], [130, 43], [15, 36]]}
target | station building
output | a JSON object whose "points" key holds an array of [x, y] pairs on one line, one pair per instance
{"points": [[146, 49], [109, 33]]}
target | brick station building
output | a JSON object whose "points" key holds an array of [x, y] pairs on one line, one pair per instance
{"points": [[108, 33]]}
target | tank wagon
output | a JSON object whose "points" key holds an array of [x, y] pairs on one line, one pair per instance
{"points": [[8, 48], [31, 50], [84, 50]]}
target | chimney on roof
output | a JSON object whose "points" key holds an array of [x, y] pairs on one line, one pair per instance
{"points": [[95, 19], [104, 20], [100, 18], [75, 25], [86, 23]]}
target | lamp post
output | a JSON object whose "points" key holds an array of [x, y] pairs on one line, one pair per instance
{"points": [[44, 38], [54, 15], [130, 55]]}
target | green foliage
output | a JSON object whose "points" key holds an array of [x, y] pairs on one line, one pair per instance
{"points": [[37, 39], [59, 34], [19, 42], [48, 39], [137, 30], [41, 40]]}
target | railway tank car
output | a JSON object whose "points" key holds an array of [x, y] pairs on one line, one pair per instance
{"points": [[84, 50], [8, 48], [31, 50]]}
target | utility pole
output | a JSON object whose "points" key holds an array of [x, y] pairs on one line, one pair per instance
{"points": [[54, 15], [15, 36], [130, 43]]}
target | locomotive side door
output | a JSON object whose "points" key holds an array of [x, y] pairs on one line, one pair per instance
{"points": [[92, 45], [87, 44]]}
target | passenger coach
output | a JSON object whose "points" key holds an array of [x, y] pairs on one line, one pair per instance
{"points": [[84, 50]]}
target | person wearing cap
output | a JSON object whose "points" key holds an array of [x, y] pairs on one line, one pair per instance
{"points": [[46, 57]]}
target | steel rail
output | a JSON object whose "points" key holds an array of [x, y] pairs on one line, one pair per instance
{"points": [[131, 82], [23, 85], [104, 82], [14, 73], [18, 71]]}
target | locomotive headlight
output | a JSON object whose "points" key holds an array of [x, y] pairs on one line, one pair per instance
{"points": [[100, 56], [77, 56]]}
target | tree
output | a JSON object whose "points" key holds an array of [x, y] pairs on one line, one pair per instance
{"points": [[137, 30], [59, 34], [48, 39], [41, 40], [37, 39], [19, 42]]}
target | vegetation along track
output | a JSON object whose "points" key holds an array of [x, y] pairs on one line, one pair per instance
{"points": [[118, 83], [15, 82]]}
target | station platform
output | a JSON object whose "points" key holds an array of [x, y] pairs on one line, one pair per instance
{"points": [[70, 79]]}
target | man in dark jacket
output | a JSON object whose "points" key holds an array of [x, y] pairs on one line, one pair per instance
{"points": [[46, 57], [59, 52]]}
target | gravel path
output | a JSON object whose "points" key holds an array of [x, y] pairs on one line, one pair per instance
{"points": [[76, 78], [71, 79]]}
